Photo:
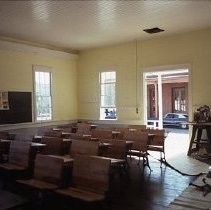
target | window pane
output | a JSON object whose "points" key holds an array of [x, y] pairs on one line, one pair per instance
{"points": [[108, 95], [43, 95], [107, 77]]}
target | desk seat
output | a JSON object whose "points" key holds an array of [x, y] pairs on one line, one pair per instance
{"points": [[10, 167], [39, 184], [114, 161], [81, 194], [47, 173], [90, 179]]}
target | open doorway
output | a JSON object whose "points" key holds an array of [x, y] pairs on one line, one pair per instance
{"points": [[166, 94]]}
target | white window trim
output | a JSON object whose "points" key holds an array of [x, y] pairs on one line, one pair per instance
{"points": [[40, 68]]}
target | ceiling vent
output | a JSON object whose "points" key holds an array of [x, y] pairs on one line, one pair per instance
{"points": [[153, 30]]}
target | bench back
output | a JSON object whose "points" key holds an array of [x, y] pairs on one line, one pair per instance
{"points": [[48, 169], [82, 147], [19, 153], [91, 173]]}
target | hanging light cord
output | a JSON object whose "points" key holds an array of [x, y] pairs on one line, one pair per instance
{"points": [[136, 77]]}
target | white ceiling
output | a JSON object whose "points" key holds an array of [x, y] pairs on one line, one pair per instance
{"points": [[79, 25]]}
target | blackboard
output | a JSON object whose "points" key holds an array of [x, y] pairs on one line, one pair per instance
{"points": [[20, 108]]}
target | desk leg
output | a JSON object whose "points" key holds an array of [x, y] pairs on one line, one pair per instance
{"points": [[192, 139], [208, 129], [199, 134]]}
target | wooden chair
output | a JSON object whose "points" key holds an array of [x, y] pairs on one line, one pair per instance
{"points": [[102, 134], [78, 136], [157, 143], [47, 173], [83, 132], [42, 130], [54, 146], [117, 151], [18, 156], [52, 133], [18, 165], [4, 150], [47, 176], [81, 147], [4, 146], [83, 128], [121, 131], [23, 137], [137, 127], [4, 135], [90, 179], [139, 146], [67, 127]]}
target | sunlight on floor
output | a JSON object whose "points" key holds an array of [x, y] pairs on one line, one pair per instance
{"points": [[176, 148], [177, 142]]}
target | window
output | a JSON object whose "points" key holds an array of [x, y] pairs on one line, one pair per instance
{"points": [[179, 99], [42, 86], [108, 95]]}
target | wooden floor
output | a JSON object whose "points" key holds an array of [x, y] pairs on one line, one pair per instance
{"points": [[135, 191]]}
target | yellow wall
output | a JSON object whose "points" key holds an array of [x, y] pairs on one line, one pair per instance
{"points": [[192, 48], [17, 75], [76, 88], [120, 58]]}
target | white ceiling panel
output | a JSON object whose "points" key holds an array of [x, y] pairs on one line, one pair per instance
{"points": [[79, 25]]}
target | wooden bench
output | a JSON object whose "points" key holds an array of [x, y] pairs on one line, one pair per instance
{"points": [[54, 146], [157, 143], [81, 147], [90, 179], [139, 146], [18, 164], [47, 173]]}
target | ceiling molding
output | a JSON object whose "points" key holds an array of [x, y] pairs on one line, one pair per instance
{"points": [[25, 48]]}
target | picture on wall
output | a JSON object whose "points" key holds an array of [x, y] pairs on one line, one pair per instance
{"points": [[4, 102]]}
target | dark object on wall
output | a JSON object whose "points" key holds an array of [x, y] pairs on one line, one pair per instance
{"points": [[20, 108]]}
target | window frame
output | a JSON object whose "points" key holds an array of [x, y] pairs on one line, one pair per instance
{"points": [[115, 96], [39, 68]]}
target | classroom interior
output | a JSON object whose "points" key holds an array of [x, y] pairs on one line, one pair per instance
{"points": [[75, 67]]}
